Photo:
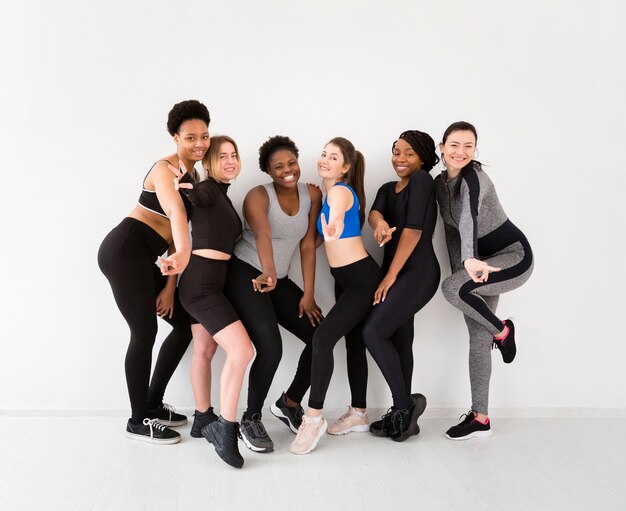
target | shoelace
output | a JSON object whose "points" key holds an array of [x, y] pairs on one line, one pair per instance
{"points": [[169, 408], [256, 426], [469, 417], [388, 416], [304, 429], [154, 424], [346, 415]]}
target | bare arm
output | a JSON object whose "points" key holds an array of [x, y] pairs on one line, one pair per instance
{"points": [[407, 243], [382, 230], [308, 245], [165, 298], [173, 207], [339, 201], [255, 207]]}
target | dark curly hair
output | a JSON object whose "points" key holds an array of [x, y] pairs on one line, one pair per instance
{"points": [[423, 144], [184, 111], [273, 144]]}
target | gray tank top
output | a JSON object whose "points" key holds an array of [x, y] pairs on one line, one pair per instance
{"points": [[287, 231]]}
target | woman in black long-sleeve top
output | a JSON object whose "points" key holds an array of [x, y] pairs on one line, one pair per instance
{"points": [[403, 217]]}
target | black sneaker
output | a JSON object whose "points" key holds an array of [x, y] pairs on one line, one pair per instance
{"points": [[469, 428], [166, 414], [507, 346], [381, 428], [420, 407], [201, 419], [253, 433], [152, 431], [223, 435], [290, 415], [404, 421]]}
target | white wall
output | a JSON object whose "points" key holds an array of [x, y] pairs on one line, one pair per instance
{"points": [[83, 103]]}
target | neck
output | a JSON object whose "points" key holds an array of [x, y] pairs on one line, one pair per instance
{"points": [[452, 173], [285, 192], [329, 183], [189, 164]]}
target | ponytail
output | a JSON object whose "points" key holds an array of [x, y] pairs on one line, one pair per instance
{"points": [[355, 177]]}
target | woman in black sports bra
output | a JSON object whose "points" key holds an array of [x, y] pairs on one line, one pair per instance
{"points": [[127, 256]]}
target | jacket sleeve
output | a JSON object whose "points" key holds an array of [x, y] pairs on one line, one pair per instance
{"points": [[468, 219], [201, 195]]}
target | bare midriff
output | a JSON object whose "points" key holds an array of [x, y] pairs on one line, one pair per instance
{"points": [[345, 251], [209, 253], [159, 223]]}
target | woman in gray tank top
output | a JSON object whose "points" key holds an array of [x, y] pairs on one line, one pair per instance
{"points": [[279, 217]]}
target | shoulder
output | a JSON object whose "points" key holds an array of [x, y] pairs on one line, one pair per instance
{"points": [[340, 190], [421, 177], [314, 192], [257, 193]]}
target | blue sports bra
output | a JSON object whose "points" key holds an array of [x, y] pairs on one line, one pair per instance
{"points": [[351, 220]]}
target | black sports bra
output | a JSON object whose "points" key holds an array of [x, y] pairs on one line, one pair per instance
{"points": [[148, 198]]}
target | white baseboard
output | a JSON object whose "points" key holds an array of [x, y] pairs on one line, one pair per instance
{"points": [[430, 413]]}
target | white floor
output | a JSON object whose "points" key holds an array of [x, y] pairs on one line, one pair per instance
{"points": [[86, 463]]}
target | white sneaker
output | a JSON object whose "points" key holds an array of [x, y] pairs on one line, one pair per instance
{"points": [[309, 435], [350, 422]]}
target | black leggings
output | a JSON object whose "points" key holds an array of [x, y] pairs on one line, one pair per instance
{"points": [[202, 293], [126, 257], [261, 313], [356, 284], [388, 330]]}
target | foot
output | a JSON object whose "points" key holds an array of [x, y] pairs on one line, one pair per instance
{"points": [[383, 426], [404, 420], [223, 435], [166, 414], [349, 422], [253, 433], [308, 435], [152, 431], [469, 427], [201, 419], [289, 415], [506, 344]]}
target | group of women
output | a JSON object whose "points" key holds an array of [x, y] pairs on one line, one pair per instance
{"points": [[235, 289]]}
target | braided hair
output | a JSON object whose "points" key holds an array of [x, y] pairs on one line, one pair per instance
{"points": [[423, 144]]}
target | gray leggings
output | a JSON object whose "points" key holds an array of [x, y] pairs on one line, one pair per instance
{"points": [[478, 302]]}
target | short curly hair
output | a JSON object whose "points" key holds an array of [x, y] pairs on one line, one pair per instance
{"points": [[184, 111], [273, 144]]}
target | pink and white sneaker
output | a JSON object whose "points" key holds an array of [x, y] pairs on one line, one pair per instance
{"points": [[350, 422], [309, 434]]}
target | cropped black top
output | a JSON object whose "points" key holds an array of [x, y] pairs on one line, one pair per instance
{"points": [[214, 222]]}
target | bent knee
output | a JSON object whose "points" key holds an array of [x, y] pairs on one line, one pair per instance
{"points": [[450, 290]]}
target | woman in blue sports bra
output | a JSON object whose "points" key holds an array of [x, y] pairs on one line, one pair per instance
{"points": [[357, 276]]}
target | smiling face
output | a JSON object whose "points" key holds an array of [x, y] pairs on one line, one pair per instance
{"points": [[192, 140], [283, 168], [404, 159], [331, 164], [229, 162], [458, 150]]}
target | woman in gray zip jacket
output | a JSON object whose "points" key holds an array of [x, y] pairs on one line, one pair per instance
{"points": [[489, 256]]}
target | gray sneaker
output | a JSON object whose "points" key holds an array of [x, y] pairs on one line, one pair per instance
{"points": [[252, 432]]}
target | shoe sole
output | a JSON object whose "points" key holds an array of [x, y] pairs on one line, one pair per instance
{"points": [[361, 428], [316, 441], [208, 434], [475, 434], [276, 412], [254, 448], [381, 433], [414, 428], [149, 440], [173, 424]]}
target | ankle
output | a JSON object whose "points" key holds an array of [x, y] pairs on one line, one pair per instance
{"points": [[290, 402], [482, 418], [503, 334]]}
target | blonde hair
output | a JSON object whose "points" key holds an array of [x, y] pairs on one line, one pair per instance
{"points": [[211, 160]]}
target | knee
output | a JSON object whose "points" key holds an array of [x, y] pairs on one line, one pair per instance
{"points": [[370, 334], [243, 353], [450, 290], [321, 343]]}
